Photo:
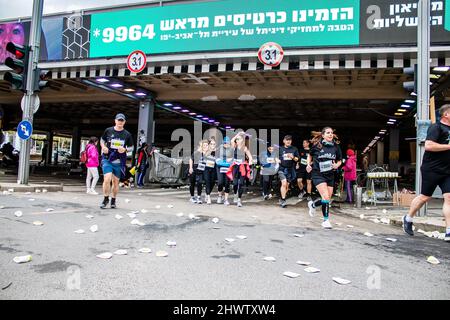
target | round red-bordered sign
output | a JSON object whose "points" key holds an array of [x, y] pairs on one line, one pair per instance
{"points": [[271, 54], [136, 61]]}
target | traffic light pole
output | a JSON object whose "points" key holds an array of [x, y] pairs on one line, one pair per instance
{"points": [[30, 97], [423, 88]]}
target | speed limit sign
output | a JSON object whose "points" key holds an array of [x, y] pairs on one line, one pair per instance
{"points": [[136, 61], [271, 54]]}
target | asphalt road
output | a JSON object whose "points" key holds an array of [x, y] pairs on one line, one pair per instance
{"points": [[203, 265]]}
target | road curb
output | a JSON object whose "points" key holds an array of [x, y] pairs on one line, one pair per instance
{"points": [[31, 188]]}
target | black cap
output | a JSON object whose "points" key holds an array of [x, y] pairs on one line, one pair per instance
{"points": [[120, 116]]}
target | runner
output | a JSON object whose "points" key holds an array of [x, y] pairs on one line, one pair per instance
{"points": [[210, 170], [269, 168], [240, 168], [115, 143], [223, 161], [435, 171], [324, 158], [288, 156], [302, 174], [197, 165]]}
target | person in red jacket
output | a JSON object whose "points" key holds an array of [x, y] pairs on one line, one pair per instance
{"points": [[350, 174]]}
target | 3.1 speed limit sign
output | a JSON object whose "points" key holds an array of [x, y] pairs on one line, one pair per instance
{"points": [[136, 61], [271, 54]]}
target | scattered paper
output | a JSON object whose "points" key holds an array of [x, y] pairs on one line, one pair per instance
{"points": [[341, 281], [385, 220], [27, 193], [22, 259], [105, 255], [31, 199], [10, 190], [216, 227], [180, 214], [303, 263], [161, 254], [127, 200], [338, 223], [255, 217], [79, 231], [50, 210], [171, 243], [18, 213], [435, 234], [312, 270], [384, 211], [145, 250], [158, 207], [229, 239], [170, 206], [361, 216], [137, 222], [269, 259], [368, 234], [350, 226], [89, 216], [94, 228], [420, 231], [2, 207], [5, 192], [298, 235], [44, 190], [118, 216], [391, 239], [215, 220], [142, 211], [38, 191], [120, 252], [139, 194], [375, 220], [291, 274], [191, 216], [38, 223], [241, 237], [433, 260], [367, 208], [131, 215]]}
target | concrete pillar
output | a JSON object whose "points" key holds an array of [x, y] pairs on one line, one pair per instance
{"points": [[76, 142], [394, 145], [146, 128], [49, 147], [373, 157], [380, 153]]}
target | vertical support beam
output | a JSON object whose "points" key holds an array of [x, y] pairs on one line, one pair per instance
{"points": [[373, 157], [394, 149], [76, 142], [48, 156], [380, 153], [423, 87], [145, 127]]}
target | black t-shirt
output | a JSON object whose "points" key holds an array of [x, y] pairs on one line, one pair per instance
{"points": [[438, 162], [323, 157], [286, 162], [303, 159], [113, 139]]}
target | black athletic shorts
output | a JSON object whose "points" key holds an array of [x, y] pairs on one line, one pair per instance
{"points": [[318, 178], [430, 180], [303, 175], [288, 174]]}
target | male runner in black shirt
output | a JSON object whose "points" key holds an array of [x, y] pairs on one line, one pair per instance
{"points": [[288, 157]]}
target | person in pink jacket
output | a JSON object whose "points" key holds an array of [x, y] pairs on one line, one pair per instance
{"points": [[350, 174], [92, 165]]}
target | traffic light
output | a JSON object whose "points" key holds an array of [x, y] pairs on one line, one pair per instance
{"points": [[19, 64], [40, 79], [411, 85]]}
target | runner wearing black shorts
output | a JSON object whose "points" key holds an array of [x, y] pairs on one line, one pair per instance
{"points": [[302, 174], [288, 157], [435, 171], [325, 157]]}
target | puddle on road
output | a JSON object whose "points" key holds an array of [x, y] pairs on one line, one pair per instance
{"points": [[55, 266]]}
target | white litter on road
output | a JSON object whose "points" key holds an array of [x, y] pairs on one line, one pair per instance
{"points": [[215, 220], [350, 226], [391, 239], [18, 213], [94, 228], [89, 216], [137, 222], [341, 281], [120, 252], [105, 255], [303, 263], [38, 223], [180, 214], [170, 206], [9, 190], [216, 227], [31, 199], [131, 215], [375, 220], [241, 237], [127, 200], [191, 216], [50, 210], [38, 191], [385, 220], [171, 243], [338, 223], [118, 216], [142, 211], [229, 239], [269, 259], [291, 274], [22, 259], [145, 250], [158, 207], [79, 231], [2, 207], [368, 234], [27, 193], [384, 211], [312, 270], [361, 216], [298, 235], [433, 260], [162, 254], [255, 217], [44, 190]]}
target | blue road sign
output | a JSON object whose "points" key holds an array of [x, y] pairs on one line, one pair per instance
{"points": [[25, 130]]}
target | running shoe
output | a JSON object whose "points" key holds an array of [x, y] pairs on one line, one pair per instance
{"points": [[104, 203], [88, 191], [447, 237], [301, 194], [193, 200], [308, 197], [208, 199], [283, 203], [312, 209], [326, 224], [93, 192], [270, 196], [239, 203], [219, 200], [235, 199], [226, 202], [199, 200], [408, 226], [266, 197], [113, 203]]}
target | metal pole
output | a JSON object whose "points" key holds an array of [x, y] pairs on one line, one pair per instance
{"points": [[423, 87], [30, 97]]}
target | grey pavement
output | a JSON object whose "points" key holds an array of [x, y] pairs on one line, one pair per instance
{"points": [[203, 265]]}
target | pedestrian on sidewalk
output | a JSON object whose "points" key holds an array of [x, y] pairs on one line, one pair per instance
{"points": [[324, 159], [92, 165], [350, 174], [115, 142], [435, 171]]}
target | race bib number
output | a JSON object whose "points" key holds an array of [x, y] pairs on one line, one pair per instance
{"points": [[238, 161], [270, 160], [201, 166], [223, 170], [116, 143], [304, 162], [210, 163], [286, 156], [326, 166]]}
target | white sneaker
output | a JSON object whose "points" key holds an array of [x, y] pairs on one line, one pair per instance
{"points": [[94, 192], [88, 191], [193, 200], [270, 196], [219, 200], [312, 210], [239, 203], [199, 200], [326, 224], [226, 202], [235, 199], [208, 199], [301, 194]]}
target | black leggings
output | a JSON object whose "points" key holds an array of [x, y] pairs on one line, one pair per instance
{"points": [[238, 182], [222, 181], [209, 174], [267, 184], [196, 178]]}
